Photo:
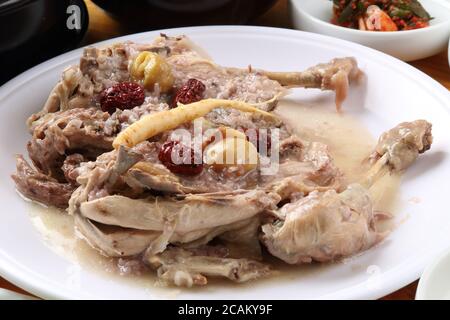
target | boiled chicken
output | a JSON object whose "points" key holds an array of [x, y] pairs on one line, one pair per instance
{"points": [[104, 144]]}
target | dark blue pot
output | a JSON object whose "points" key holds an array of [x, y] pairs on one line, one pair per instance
{"points": [[32, 31], [154, 14]]}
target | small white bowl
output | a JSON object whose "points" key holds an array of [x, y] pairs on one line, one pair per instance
{"points": [[435, 281], [315, 16]]}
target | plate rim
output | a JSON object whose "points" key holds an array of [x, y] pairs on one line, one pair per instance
{"points": [[44, 288]]}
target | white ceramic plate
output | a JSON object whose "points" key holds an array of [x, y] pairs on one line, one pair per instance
{"points": [[448, 53], [434, 283], [393, 92], [315, 16]]}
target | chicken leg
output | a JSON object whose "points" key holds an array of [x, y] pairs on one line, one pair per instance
{"points": [[334, 75], [326, 226]]}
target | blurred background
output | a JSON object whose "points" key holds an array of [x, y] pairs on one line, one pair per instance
{"points": [[32, 31]]}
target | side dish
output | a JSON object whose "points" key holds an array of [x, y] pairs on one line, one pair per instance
{"points": [[168, 160], [380, 15]]}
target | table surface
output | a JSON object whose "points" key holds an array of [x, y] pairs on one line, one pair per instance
{"points": [[103, 27]]}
